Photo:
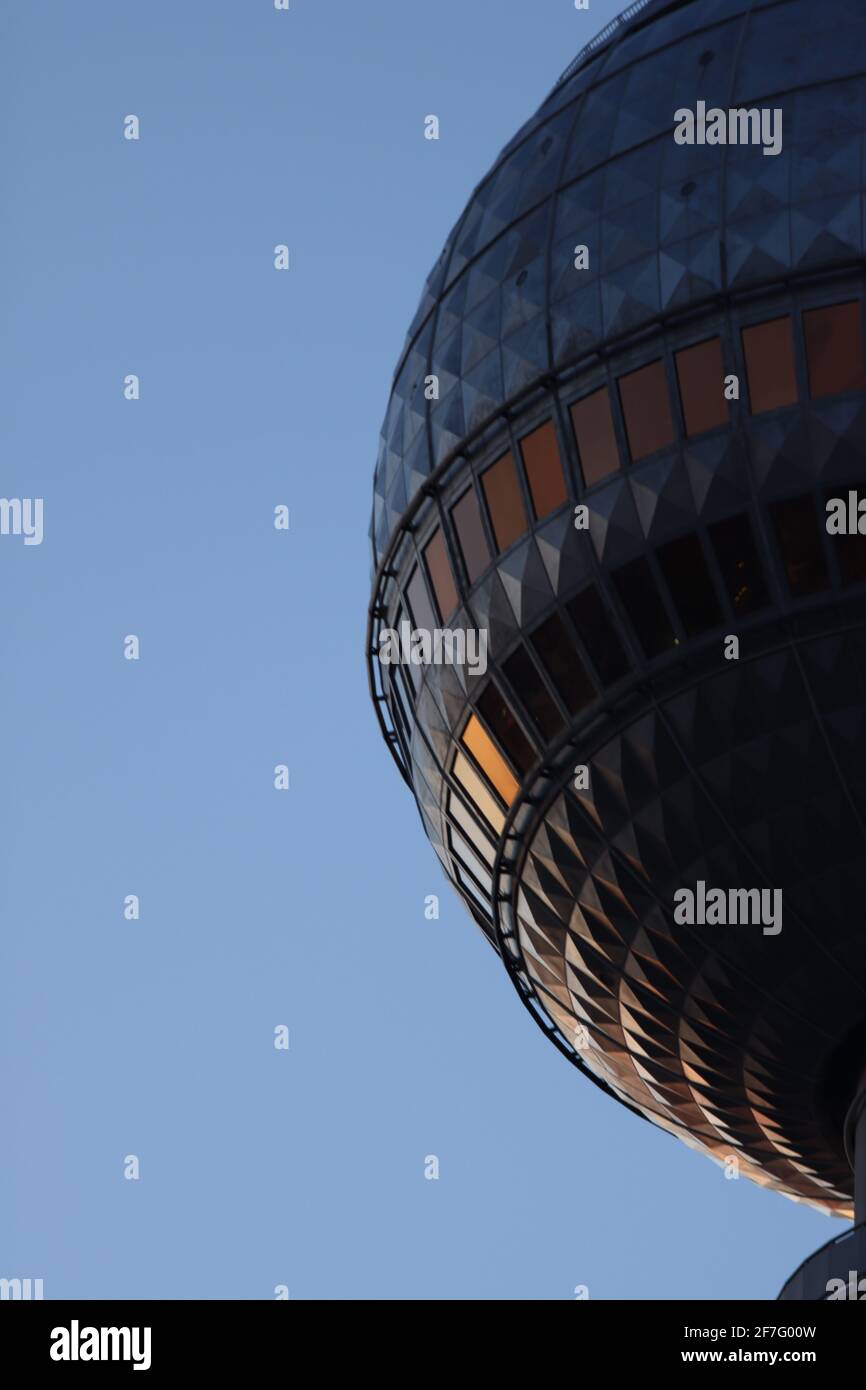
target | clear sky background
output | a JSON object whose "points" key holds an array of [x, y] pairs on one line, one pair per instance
{"points": [[155, 777]]}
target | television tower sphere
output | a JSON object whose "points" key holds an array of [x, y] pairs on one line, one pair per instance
{"points": [[619, 472]]}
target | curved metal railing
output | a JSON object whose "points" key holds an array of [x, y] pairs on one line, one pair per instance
{"points": [[602, 38]]}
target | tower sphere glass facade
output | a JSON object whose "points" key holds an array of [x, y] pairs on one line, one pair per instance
{"points": [[670, 336]]}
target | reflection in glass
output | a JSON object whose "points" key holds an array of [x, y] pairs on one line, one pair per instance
{"points": [[701, 377], [646, 410], [834, 349], [466, 515], [769, 352], [461, 815], [420, 606], [439, 571], [469, 860], [543, 470], [504, 503], [478, 742], [478, 794], [500, 719], [596, 440], [466, 883]]}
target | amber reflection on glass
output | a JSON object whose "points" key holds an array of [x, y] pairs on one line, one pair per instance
{"points": [[769, 352], [499, 717], [543, 470], [478, 742], [596, 440], [834, 349], [439, 570], [646, 409], [504, 503], [478, 794], [701, 375]]}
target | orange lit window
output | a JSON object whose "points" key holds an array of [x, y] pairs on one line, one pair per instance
{"points": [[499, 717], [701, 376], [646, 409], [834, 349], [478, 794], [502, 494], [543, 470], [439, 572], [769, 352], [478, 742], [596, 441]]}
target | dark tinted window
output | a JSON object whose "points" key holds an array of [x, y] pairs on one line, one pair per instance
{"points": [[598, 635], [769, 352], [559, 657], [850, 550], [642, 602], [466, 515], [701, 376], [796, 528], [502, 493], [500, 720], [596, 441], [439, 570], [526, 681], [646, 409], [737, 557], [851, 555], [543, 470], [834, 349], [688, 579]]}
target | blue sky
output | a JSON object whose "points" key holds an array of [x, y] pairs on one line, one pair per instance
{"points": [[260, 908]]}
